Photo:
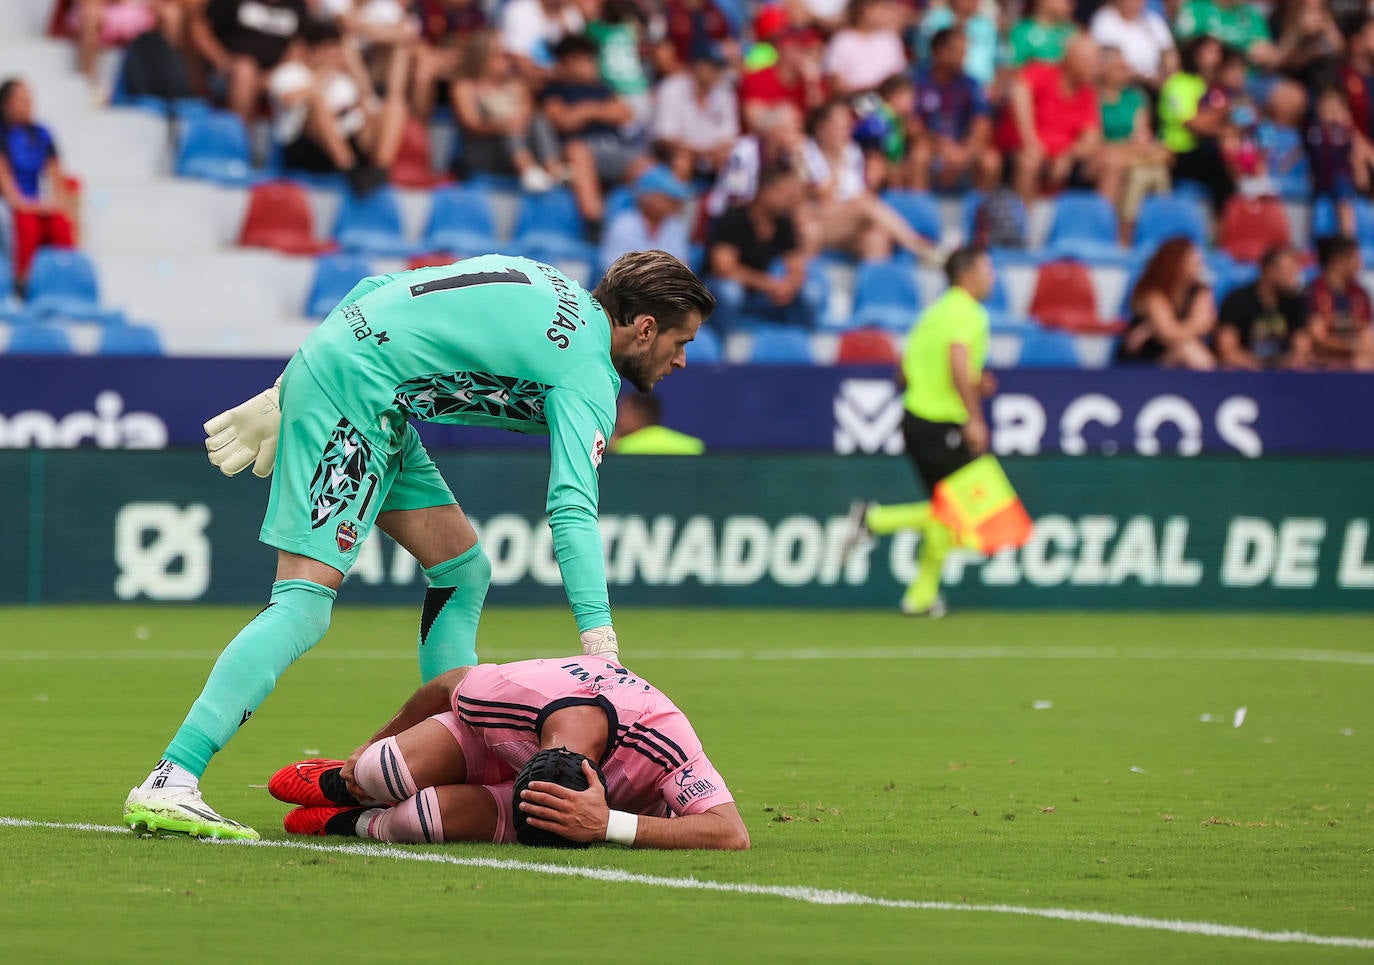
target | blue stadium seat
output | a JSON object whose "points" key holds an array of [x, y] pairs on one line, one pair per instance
{"points": [[1001, 319], [10, 307], [920, 210], [705, 349], [619, 198], [1043, 348], [335, 276], [1163, 217], [549, 227], [62, 284], [371, 225], [781, 345], [461, 222], [886, 296], [39, 340], [130, 340], [1000, 256], [1085, 228], [1325, 222], [1228, 274], [214, 146]]}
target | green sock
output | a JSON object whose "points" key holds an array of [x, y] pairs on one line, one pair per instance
{"points": [[453, 605], [245, 673], [886, 520], [936, 542]]}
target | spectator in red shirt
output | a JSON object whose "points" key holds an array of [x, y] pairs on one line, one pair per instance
{"points": [[1338, 309], [795, 79], [1054, 128]]}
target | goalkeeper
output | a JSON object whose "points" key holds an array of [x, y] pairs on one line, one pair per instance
{"points": [[559, 753], [491, 341], [944, 431]]}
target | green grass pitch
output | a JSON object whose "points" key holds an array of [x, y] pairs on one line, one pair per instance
{"points": [[1045, 761]]}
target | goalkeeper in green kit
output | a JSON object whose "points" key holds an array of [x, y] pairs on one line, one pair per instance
{"points": [[489, 341]]}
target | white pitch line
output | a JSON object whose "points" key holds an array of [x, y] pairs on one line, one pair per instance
{"points": [[802, 893], [990, 652]]}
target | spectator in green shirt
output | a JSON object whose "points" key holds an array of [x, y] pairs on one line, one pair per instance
{"points": [[1126, 131], [1235, 23], [616, 34], [1043, 35]]}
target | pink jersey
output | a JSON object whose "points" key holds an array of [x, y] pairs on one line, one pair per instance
{"points": [[655, 764]]}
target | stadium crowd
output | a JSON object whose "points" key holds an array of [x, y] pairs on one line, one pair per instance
{"points": [[755, 140]]}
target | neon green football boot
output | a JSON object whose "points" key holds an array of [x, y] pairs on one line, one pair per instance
{"points": [[180, 810]]}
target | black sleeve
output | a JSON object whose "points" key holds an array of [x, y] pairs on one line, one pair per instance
{"points": [[729, 229], [223, 16], [786, 240], [1294, 308], [1233, 310]]}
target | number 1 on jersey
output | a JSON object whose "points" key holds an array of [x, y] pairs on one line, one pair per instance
{"points": [[508, 277]]}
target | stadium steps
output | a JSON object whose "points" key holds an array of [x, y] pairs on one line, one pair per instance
{"points": [[232, 302]]}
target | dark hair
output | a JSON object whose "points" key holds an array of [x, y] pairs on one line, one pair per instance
{"points": [[943, 37], [574, 45], [1187, 54], [7, 90], [652, 283], [1273, 254], [646, 405], [893, 84], [961, 260], [818, 115], [1332, 247], [1231, 55], [1163, 271], [316, 32], [771, 174], [621, 11]]}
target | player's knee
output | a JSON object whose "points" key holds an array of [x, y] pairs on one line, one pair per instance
{"points": [[310, 606], [382, 774]]}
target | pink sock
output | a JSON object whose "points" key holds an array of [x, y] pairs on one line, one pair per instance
{"points": [[382, 773], [415, 821]]}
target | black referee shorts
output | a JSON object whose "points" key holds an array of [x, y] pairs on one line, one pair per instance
{"points": [[936, 449]]}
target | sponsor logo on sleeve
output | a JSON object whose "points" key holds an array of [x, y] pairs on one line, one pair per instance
{"points": [[691, 788], [598, 449]]}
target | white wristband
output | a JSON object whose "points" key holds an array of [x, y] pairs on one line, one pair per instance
{"points": [[621, 828]]}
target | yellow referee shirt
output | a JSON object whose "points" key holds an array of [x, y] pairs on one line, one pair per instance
{"points": [[954, 317]]}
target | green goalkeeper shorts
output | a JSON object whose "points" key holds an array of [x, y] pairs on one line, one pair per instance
{"points": [[330, 481]]}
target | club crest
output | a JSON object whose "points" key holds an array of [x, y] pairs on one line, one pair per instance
{"points": [[346, 536]]}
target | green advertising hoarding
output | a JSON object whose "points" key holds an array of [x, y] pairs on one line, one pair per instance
{"points": [[87, 526]]}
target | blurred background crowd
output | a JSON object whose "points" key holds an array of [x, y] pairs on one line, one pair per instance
{"points": [[1184, 184]]}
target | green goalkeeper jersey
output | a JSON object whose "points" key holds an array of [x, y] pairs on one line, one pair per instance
{"points": [[490, 341]]}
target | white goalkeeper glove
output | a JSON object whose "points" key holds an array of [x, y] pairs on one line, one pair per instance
{"points": [[246, 435], [601, 643]]}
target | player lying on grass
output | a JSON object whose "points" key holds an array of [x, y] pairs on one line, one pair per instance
{"points": [[559, 752], [490, 341]]}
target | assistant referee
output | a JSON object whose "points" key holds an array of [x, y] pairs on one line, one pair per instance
{"points": [[943, 426]]}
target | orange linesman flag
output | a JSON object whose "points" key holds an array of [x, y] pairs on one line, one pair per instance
{"points": [[979, 504]]}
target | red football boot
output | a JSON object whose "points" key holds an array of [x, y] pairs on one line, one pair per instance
{"points": [[323, 820], [312, 783]]}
